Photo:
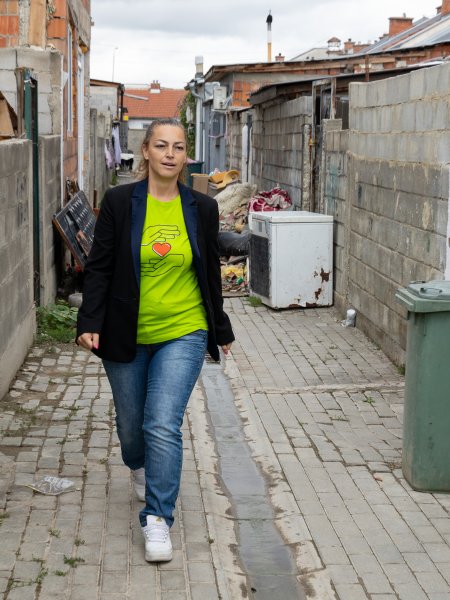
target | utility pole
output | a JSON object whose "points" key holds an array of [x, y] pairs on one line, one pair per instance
{"points": [[269, 36], [114, 57]]}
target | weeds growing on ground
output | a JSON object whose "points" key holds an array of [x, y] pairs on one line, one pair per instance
{"points": [[56, 322], [254, 301], [74, 561]]}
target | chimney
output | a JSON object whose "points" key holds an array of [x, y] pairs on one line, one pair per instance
{"points": [[445, 8], [399, 24], [269, 36], [155, 87], [348, 46], [198, 67], [279, 57]]}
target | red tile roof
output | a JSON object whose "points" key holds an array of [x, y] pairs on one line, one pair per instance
{"points": [[141, 104]]}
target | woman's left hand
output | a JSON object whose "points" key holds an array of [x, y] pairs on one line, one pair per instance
{"points": [[226, 348]]}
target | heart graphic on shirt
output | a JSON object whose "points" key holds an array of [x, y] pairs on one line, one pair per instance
{"points": [[161, 249]]}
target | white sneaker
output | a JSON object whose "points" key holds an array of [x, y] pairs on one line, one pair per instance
{"points": [[158, 546], [139, 483]]}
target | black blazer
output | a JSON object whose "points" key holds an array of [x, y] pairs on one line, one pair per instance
{"points": [[110, 304]]}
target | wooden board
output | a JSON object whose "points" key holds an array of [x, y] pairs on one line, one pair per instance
{"points": [[76, 223], [6, 126]]}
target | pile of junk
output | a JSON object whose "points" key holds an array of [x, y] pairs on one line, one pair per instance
{"points": [[236, 200]]}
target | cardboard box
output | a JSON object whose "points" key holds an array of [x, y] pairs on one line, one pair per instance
{"points": [[200, 182]]}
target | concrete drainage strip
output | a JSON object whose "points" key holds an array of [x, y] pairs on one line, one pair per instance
{"points": [[233, 578]]}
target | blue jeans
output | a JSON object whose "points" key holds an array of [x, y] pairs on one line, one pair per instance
{"points": [[150, 396]]}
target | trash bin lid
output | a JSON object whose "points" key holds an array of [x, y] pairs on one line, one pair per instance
{"points": [[431, 290], [425, 296]]}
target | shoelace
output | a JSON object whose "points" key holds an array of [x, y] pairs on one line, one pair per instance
{"points": [[156, 532]]}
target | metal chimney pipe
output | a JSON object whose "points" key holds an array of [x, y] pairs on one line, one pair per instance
{"points": [[269, 36]]}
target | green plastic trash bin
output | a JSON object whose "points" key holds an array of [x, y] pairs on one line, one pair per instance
{"points": [[426, 424], [193, 167]]}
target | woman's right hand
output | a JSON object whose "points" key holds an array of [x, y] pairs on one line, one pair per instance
{"points": [[88, 340]]}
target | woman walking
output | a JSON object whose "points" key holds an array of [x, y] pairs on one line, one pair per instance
{"points": [[152, 304]]}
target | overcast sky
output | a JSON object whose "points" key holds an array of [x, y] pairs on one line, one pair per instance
{"points": [[146, 40]]}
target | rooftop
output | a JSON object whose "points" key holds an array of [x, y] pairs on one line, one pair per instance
{"points": [[153, 101]]}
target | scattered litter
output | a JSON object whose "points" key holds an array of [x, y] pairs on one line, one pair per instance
{"points": [[350, 318], [234, 279], [233, 206], [378, 477], [52, 486]]}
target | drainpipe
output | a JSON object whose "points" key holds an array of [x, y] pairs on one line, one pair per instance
{"points": [[198, 80]]}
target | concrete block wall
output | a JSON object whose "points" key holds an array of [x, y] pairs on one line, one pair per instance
{"points": [[398, 227], [46, 67], [50, 202], [17, 313], [135, 139], [278, 146], [234, 136], [335, 178], [404, 118], [100, 175], [387, 185]]}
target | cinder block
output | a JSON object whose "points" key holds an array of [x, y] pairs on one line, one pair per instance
{"points": [[408, 117], [45, 123], [443, 82], [418, 86], [45, 83], [8, 59], [432, 76], [357, 95], [36, 60], [8, 81]]}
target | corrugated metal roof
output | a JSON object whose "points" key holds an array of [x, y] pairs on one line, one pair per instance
{"points": [[425, 32], [436, 33]]}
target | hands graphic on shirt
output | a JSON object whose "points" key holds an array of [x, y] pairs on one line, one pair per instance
{"points": [[159, 233], [158, 237], [159, 266]]}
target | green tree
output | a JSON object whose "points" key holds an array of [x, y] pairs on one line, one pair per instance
{"points": [[189, 102]]}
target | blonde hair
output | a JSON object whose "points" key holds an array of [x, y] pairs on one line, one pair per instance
{"points": [[142, 170]]}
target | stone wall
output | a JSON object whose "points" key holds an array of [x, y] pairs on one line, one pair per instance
{"points": [[279, 146], [389, 194], [17, 313]]}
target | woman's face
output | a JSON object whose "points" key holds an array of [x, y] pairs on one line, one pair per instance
{"points": [[166, 152]]}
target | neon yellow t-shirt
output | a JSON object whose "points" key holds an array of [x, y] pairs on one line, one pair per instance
{"points": [[171, 304]]}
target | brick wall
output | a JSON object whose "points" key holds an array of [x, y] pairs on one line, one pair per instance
{"points": [[9, 23]]}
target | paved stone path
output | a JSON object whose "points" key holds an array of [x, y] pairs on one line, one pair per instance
{"points": [[321, 409], [86, 544]]}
